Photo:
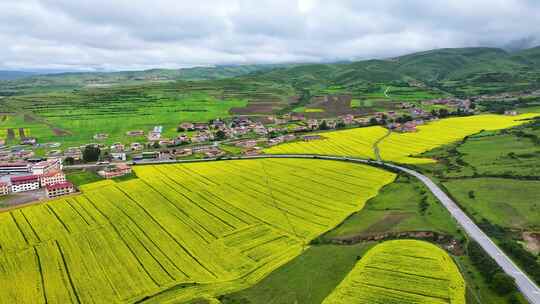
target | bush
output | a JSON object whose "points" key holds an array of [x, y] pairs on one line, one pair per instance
{"points": [[91, 153], [503, 284]]}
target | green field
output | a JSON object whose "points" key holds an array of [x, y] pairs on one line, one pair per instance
{"points": [[178, 232], [77, 118], [391, 273], [506, 202], [307, 279], [397, 208], [82, 177], [510, 153]]}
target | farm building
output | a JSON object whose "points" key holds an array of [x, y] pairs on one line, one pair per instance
{"points": [[200, 126], [51, 178], [154, 135], [186, 126], [136, 147], [135, 133], [29, 141], [4, 188], [59, 189], [73, 152], [24, 183], [511, 112], [246, 143], [117, 147], [313, 124], [15, 167], [101, 136], [50, 165], [118, 156], [115, 171], [183, 152]]}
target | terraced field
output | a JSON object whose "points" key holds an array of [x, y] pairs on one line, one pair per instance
{"points": [[178, 232], [404, 272], [399, 147]]}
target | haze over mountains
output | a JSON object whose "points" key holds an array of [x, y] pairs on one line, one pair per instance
{"points": [[433, 67]]}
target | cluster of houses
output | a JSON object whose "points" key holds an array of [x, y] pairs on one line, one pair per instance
{"points": [[27, 176]]}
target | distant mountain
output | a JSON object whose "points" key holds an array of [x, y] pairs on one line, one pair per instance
{"points": [[529, 56], [12, 75], [457, 70]]}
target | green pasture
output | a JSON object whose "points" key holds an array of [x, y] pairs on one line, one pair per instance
{"points": [[507, 202], [307, 279], [397, 209], [81, 117]]}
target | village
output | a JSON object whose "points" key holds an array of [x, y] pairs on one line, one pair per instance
{"points": [[22, 171]]}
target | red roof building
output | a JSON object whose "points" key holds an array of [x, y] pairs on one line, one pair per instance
{"points": [[59, 189], [24, 183], [51, 178]]}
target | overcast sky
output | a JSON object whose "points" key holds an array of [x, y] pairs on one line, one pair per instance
{"points": [[141, 34]]}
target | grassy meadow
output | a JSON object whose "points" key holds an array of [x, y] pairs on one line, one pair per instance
{"points": [[398, 208], [307, 279]]}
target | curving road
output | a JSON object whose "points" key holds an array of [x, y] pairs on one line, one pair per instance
{"points": [[523, 282]]}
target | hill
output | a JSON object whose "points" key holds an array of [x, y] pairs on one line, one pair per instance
{"points": [[11, 75]]}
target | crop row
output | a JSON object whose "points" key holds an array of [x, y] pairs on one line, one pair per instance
{"points": [[223, 225], [402, 271], [398, 147]]}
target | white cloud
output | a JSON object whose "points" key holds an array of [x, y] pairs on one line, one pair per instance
{"points": [[135, 34]]}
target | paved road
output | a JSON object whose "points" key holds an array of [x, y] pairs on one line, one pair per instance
{"points": [[524, 283]]}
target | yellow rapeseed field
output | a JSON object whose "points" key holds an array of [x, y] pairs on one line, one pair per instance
{"points": [[399, 147], [353, 142], [402, 271], [178, 232]]}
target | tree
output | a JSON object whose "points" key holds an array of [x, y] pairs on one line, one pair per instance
{"points": [[340, 125], [373, 121], [443, 113], [156, 145], [180, 129], [471, 194], [323, 125], [220, 135], [91, 153], [69, 161], [502, 283]]}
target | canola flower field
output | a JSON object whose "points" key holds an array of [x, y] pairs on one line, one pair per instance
{"points": [[402, 271], [178, 232], [399, 147], [353, 142]]}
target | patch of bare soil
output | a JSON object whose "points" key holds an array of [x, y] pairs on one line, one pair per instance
{"points": [[532, 241], [29, 118], [257, 108], [60, 132], [10, 134], [333, 105]]}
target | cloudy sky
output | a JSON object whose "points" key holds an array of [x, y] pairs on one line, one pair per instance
{"points": [[141, 34]]}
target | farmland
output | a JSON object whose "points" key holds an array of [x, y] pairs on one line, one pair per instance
{"points": [[398, 147], [54, 118], [178, 232], [389, 273]]}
